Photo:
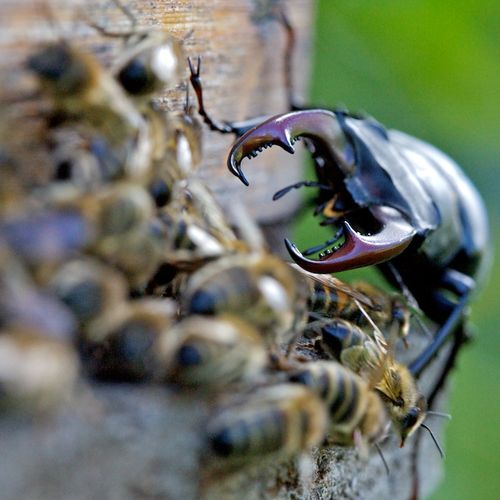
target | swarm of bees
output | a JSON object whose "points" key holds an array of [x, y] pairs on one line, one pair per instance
{"points": [[125, 268]]}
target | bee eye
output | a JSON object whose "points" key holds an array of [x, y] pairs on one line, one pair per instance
{"points": [[411, 418], [202, 302], [58, 65], [160, 192], [64, 170], [222, 443], [135, 78], [189, 355]]}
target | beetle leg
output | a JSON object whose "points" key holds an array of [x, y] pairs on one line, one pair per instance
{"points": [[462, 285], [224, 127], [361, 250]]}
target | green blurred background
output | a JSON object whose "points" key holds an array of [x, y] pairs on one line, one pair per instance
{"points": [[432, 69]]}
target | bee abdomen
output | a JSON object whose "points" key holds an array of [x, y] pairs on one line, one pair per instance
{"points": [[285, 419], [338, 334], [331, 302], [261, 433], [221, 295], [341, 390]]}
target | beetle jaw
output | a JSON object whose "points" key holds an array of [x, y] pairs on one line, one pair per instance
{"points": [[318, 125], [361, 250], [253, 142]]}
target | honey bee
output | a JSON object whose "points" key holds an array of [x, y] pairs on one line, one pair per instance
{"points": [[210, 353], [259, 287], [370, 358], [356, 413], [47, 236], [37, 373], [84, 94], [150, 62], [138, 254], [150, 59], [91, 290], [113, 209], [125, 348], [81, 161], [197, 229], [361, 304], [278, 421]]}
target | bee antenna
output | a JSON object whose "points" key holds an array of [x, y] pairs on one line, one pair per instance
{"points": [[127, 13], [441, 452], [438, 414], [386, 466]]}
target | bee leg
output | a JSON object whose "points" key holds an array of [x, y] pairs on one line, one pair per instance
{"points": [[114, 34], [462, 285]]}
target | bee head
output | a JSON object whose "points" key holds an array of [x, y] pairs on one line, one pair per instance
{"points": [[61, 68], [137, 78], [412, 419]]}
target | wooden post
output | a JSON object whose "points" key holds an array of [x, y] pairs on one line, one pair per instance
{"points": [[135, 442]]}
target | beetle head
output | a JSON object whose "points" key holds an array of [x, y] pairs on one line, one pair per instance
{"points": [[335, 159]]}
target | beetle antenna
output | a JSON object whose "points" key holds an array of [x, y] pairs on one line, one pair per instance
{"points": [[438, 446], [386, 466], [282, 192], [438, 414]]}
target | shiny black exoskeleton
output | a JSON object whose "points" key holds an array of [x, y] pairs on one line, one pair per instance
{"points": [[398, 202]]}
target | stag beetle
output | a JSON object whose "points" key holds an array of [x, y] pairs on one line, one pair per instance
{"points": [[399, 203]]}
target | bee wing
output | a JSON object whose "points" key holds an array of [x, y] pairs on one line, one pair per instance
{"points": [[329, 281], [377, 336]]}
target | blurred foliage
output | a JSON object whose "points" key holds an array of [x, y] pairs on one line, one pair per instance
{"points": [[431, 69]]}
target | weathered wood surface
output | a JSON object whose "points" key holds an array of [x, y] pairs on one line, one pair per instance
{"points": [[133, 442], [241, 45]]}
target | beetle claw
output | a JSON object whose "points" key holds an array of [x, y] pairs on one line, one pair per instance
{"points": [[361, 250], [276, 131], [317, 125]]}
